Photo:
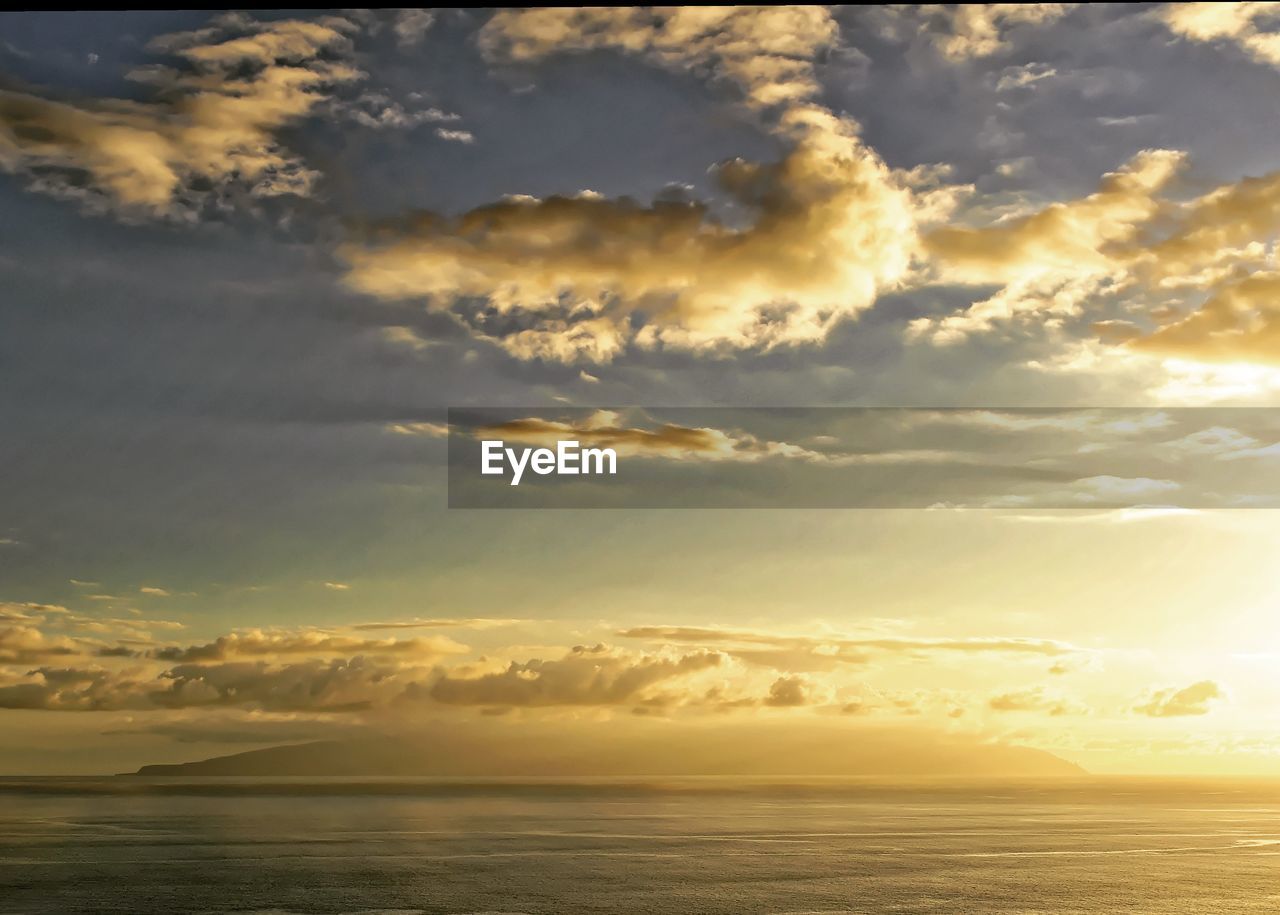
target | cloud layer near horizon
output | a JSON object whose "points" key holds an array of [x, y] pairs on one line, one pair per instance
{"points": [[53, 659]]}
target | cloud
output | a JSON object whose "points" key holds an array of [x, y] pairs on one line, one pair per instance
{"points": [[271, 643], [1195, 699], [72, 689], [768, 52], [425, 429], [211, 126], [1238, 322], [960, 33], [1036, 699], [1215, 231], [824, 652], [581, 277], [975, 30], [1235, 23], [1123, 489], [337, 685], [411, 26], [596, 675], [27, 611], [28, 645], [788, 692], [1194, 278], [135, 626], [439, 623], [1053, 260], [1215, 441], [377, 110], [1102, 490], [1021, 77], [322, 669], [455, 136], [1091, 424], [584, 676]]}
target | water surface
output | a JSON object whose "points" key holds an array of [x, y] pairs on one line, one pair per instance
{"points": [[683, 846]]}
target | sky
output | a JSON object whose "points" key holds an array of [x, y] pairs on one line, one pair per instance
{"points": [[248, 262]]}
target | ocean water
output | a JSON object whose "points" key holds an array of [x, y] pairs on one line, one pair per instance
{"points": [[687, 846]]}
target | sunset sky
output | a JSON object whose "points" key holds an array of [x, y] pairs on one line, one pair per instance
{"points": [[248, 261]]}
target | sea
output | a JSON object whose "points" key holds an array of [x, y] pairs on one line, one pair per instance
{"points": [[282, 846]]}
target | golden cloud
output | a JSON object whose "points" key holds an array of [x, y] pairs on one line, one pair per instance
{"points": [[322, 671], [1036, 699], [28, 645], [1238, 322], [439, 623], [1195, 699], [982, 29], [596, 675], [213, 123], [337, 685], [789, 692], [581, 277], [825, 652], [314, 643], [29, 611], [687, 670], [767, 51], [1083, 235], [1197, 271], [1050, 261], [1237, 23], [72, 689]]}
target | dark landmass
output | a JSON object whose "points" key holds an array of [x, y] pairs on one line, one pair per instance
{"points": [[775, 751]]}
